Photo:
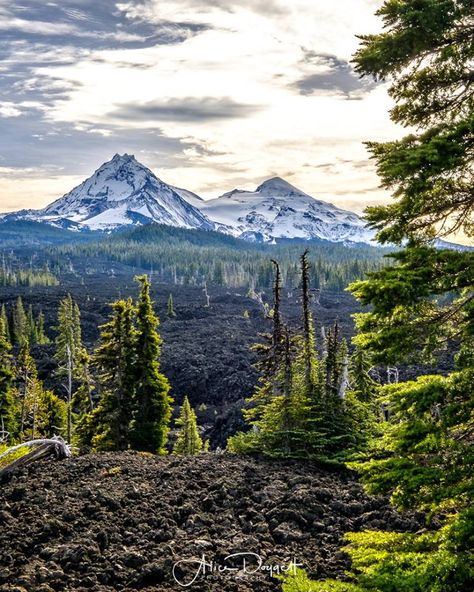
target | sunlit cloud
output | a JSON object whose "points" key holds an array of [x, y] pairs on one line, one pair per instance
{"points": [[211, 95]]}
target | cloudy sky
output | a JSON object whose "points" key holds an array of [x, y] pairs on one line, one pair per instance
{"points": [[210, 94]]}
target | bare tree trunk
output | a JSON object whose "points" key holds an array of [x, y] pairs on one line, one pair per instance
{"points": [[69, 393]]}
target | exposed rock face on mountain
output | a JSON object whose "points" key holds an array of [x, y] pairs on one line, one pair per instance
{"points": [[277, 209], [121, 192]]}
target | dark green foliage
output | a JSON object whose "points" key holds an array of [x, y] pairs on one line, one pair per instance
{"points": [[427, 51], [153, 403], [8, 404], [68, 350], [32, 332], [422, 302], [41, 337], [134, 409], [302, 406], [361, 381], [430, 443], [20, 331], [108, 426], [418, 304], [8, 407], [5, 326]]}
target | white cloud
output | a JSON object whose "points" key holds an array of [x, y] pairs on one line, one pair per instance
{"points": [[253, 53]]}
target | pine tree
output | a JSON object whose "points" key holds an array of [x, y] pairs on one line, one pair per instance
{"points": [[52, 415], [108, 426], [68, 350], [30, 391], [363, 385], [31, 325], [308, 327], [188, 441], [20, 323], [8, 406], [5, 324], [153, 403], [170, 308], [42, 338], [82, 401], [424, 300]]}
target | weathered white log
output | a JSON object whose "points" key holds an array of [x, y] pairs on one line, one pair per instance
{"points": [[42, 447]]}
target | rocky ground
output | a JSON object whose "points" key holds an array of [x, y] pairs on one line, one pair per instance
{"points": [[125, 521]]}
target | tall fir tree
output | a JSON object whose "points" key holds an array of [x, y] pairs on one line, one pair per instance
{"points": [[188, 441], [52, 415], [5, 323], [308, 326], [20, 323], [363, 384], [8, 403], [30, 392], [153, 402], [68, 349], [108, 426], [424, 301], [31, 326], [42, 338]]}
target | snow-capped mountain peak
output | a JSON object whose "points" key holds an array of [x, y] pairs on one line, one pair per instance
{"points": [[277, 209], [278, 187], [121, 192]]}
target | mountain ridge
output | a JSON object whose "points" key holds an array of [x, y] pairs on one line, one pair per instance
{"points": [[123, 192]]}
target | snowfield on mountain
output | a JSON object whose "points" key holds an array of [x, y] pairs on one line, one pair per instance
{"points": [[123, 192]]}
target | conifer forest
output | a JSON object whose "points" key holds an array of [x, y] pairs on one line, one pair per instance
{"points": [[193, 400]]}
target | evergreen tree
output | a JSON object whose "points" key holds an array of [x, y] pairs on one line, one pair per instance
{"points": [[362, 383], [170, 308], [308, 327], [8, 406], [153, 402], [5, 324], [42, 338], [68, 350], [52, 417], [188, 441], [20, 323], [30, 391], [302, 405], [424, 300], [108, 426], [31, 325], [82, 401]]}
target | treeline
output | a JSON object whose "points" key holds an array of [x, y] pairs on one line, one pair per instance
{"points": [[310, 402], [195, 257], [26, 277]]}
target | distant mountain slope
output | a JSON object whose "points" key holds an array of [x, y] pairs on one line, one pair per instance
{"points": [[277, 209], [26, 233], [121, 192]]}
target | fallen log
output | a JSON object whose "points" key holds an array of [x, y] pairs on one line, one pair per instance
{"points": [[55, 447]]}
